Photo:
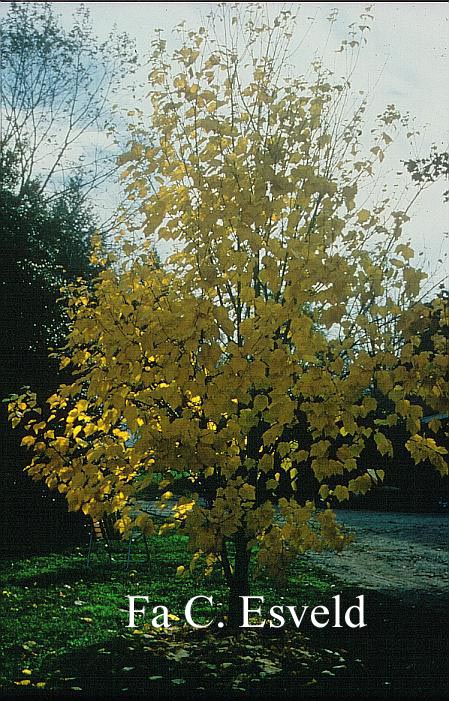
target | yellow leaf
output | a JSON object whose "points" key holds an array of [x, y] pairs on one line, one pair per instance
{"points": [[363, 216], [28, 440], [341, 492], [247, 492], [383, 444], [405, 251], [324, 491], [272, 484], [61, 444]]}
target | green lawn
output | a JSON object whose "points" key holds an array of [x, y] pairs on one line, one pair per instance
{"points": [[64, 626]]}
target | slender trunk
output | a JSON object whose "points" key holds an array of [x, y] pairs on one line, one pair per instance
{"points": [[239, 583]]}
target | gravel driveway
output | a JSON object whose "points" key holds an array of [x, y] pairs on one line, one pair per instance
{"points": [[404, 555]]}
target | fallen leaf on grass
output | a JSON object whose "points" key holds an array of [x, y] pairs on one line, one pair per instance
{"points": [[268, 667], [178, 655], [28, 644]]}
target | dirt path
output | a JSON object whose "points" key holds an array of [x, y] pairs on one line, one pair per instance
{"points": [[403, 555]]}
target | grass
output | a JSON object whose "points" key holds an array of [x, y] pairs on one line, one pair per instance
{"points": [[64, 631], [54, 609]]}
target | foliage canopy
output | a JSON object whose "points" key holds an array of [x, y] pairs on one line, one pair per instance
{"points": [[262, 351]]}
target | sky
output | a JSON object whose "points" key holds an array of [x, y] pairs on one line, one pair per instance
{"points": [[406, 62]]}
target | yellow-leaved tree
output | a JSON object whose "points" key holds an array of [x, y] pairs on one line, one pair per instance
{"points": [[278, 339]]}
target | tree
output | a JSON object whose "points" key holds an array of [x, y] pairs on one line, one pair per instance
{"points": [[280, 309], [45, 245], [427, 170], [56, 89]]}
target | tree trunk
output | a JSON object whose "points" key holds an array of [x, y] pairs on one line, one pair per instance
{"points": [[239, 584]]}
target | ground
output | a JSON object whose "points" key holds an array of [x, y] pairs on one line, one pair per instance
{"points": [[400, 562], [65, 625], [400, 554]]}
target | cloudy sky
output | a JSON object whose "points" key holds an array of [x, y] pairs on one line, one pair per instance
{"points": [[406, 62]]}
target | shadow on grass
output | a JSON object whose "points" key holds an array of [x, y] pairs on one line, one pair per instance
{"points": [[121, 668], [399, 654]]}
